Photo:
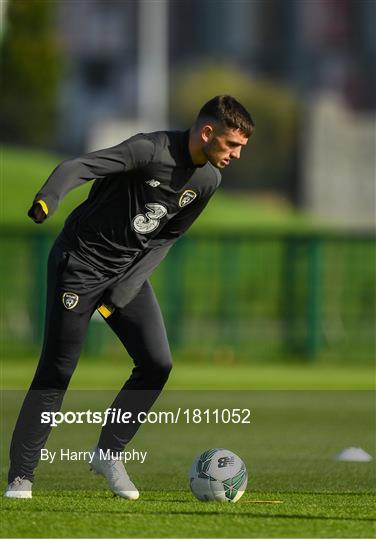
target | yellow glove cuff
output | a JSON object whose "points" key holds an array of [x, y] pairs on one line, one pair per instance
{"points": [[44, 206]]}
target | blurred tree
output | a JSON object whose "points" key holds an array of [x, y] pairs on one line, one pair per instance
{"points": [[30, 66], [269, 162]]}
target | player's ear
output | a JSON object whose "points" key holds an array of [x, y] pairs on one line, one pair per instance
{"points": [[207, 132]]}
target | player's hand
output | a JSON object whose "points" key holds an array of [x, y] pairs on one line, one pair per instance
{"points": [[36, 213]]}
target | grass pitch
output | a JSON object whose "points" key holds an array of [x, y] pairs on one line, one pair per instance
{"points": [[288, 447], [96, 514]]}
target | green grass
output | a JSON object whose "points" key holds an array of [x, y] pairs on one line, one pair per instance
{"points": [[23, 171], [236, 295], [177, 515], [94, 373], [288, 447]]}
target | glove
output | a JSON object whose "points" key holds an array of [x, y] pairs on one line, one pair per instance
{"points": [[36, 213]]}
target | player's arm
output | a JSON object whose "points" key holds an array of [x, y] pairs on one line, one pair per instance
{"points": [[179, 224], [130, 154], [125, 289]]}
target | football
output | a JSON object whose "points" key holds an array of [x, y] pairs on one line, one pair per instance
{"points": [[218, 475]]}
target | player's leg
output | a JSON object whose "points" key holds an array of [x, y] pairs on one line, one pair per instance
{"points": [[65, 330], [140, 327]]}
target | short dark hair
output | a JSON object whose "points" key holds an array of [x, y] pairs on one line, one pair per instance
{"points": [[228, 112]]}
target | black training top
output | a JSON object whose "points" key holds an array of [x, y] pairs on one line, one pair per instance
{"points": [[146, 194]]}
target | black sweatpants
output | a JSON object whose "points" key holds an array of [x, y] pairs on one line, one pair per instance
{"points": [[140, 328]]}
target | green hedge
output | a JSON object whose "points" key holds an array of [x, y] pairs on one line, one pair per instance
{"points": [[269, 159], [31, 63]]}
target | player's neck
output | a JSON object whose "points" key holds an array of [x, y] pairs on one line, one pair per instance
{"points": [[197, 155]]}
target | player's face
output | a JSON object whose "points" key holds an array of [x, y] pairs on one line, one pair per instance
{"points": [[222, 146]]}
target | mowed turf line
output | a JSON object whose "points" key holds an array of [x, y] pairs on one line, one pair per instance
{"points": [[288, 448], [110, 373], [177, 514]]}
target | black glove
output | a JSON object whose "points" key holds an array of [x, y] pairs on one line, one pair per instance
{"points": [[36, 213]]}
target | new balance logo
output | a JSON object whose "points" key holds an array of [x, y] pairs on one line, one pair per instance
{"points": [[152, 182]]}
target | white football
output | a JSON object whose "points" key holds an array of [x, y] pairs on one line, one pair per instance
{"points": [[218, 475]]}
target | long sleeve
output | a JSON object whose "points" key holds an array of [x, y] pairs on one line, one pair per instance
{"points": [[179, 224], [130, 154], [126, 288]]}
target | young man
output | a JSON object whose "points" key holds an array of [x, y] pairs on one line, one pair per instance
{"points": [[148, 191]]}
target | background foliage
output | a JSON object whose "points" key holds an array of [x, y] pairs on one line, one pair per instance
{"points": [[269, 160], [30, 67]]}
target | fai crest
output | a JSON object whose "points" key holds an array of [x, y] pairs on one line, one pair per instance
{"points": [[70, 300], [187, 197]]}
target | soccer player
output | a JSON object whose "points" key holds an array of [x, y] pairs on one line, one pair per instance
{"points": [[147, 191]]}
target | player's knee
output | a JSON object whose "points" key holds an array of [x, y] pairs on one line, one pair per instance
{"points": [[165, 370], [56, 376], [161, 367]]}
